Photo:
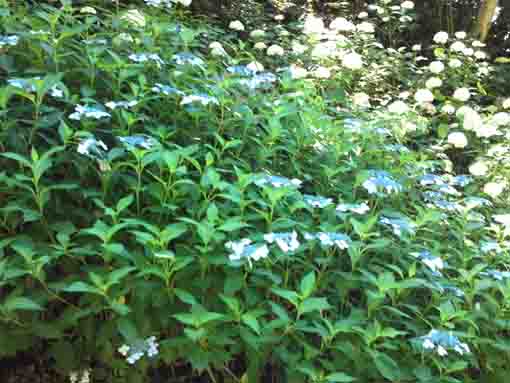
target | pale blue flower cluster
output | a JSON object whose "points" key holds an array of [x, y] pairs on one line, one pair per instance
{"points": [[441, 342], [28, 86], [139, 141], [8, 40], [328, 239], [93, 148], [136, 350], [260, 80], [277, 181], [186, 58], [381, 182], [317, 201], [166, 90], [245, 250], [400, 226], [121, 104], [287, 242], [84, 111], [436, 264], [144, 57], [357, 208]]}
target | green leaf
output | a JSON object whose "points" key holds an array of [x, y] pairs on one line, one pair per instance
{"points": [[185, 297], [289, 295], [307, 285], [339, 377], [313, 304], [232, 224], [124, 203], [127, 328], [82, 287], [388, 368], [18, 158], [252, 322], [21, 303]]}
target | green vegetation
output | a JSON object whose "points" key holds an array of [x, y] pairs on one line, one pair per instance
{"points": [[282, 202]]}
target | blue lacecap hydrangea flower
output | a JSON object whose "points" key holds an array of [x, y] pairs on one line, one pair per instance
{"points": [[400, 226], [187, 58], [140, 141], [260, 80], [381, 182]]}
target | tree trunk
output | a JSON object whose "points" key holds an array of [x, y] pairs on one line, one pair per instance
{"points": [[485, 15]]}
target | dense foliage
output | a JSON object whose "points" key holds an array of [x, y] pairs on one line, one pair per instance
{"points": [[270, 202]]}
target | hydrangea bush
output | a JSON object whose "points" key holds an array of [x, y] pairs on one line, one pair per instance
{"points": [[179, 200]]}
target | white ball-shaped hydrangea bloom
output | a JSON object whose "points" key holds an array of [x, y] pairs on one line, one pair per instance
{"points": [[468, 51], [407, 5], [506, 103], [313, 24], [460, 35], [361, 100], [433, 82], [457, 139], [462, 94], [260, 46], [454, 63], [436, 67], [236, 25], [341, 24], [275, 50], [365, 27], [398, 107], [257, 33], [458, 46], [441, 37], [321, 72], [352, 61], [423, 96], [480, 55], [494, 189], [478, 169], [363, 15], [448, 109]]}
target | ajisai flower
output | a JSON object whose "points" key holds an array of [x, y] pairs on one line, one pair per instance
{"points": [[236, 25], [441, 37], [457, 139], [462, 94]]}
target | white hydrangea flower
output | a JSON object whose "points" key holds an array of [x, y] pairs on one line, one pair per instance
{"points": [[423, 96], [365, 27], [416, 48], [462, 94], [275, 50], [478, 44], [458, 46], [321, 72], [448, 109], [313, 24], [260, 46], [363, 15], [236, 25], [506, 103], [297, 72], [494, 189], [341, 24], [478, 169], [500, 119], [352, 61], [441, 37], [460, 35], [480, 55], [472, 121], [468, 51], [457, 139], [398, 107], [436, 67], [257, 33], [407, 5], [361, 100], [454, 63], [433, 82]]}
